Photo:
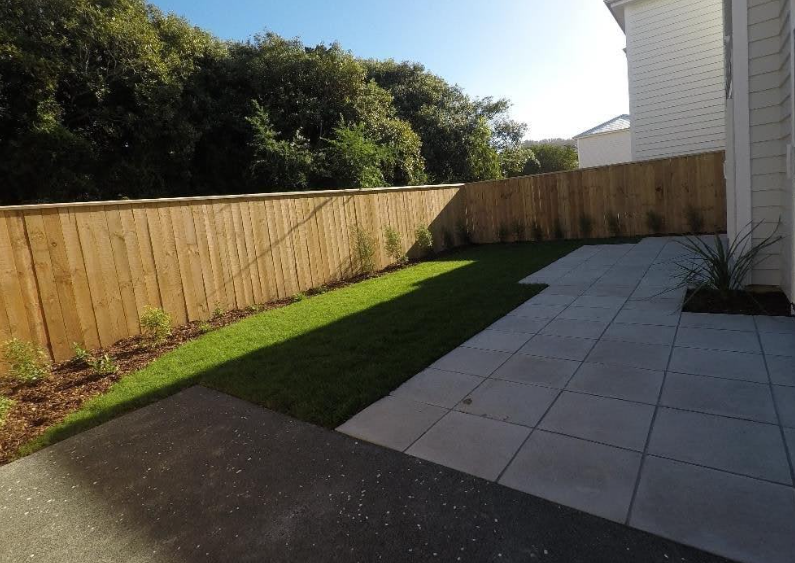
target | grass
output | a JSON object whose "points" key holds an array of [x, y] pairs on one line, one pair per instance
{"points": [[325, 358]]}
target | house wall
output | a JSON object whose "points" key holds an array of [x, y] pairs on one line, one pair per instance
{"points": [[676, 76], [769, 106], [605, 148]]}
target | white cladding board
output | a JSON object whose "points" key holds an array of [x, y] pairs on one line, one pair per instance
{"points": [[605, 148], [676, 77]]}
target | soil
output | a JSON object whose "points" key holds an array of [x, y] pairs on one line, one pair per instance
{"points": [[773, 303], [40, 405]]}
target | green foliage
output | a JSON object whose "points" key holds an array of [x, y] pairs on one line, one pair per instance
{"points": [[552, 158], [5, 406], [586, 225], [364, 246], [721, 266], [424, 239], [298, 297], [205, 327], [27, 362], [393, 243], [537, 232], [695, 219], [113, 98], [218, 311], [613, 224], [557, 230], [155, 326], [654, 221], [515, 160]]}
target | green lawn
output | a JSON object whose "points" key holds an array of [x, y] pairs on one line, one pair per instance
{"points": [[325, 358]]}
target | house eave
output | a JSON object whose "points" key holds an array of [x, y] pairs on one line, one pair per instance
{"points": [[616, 8]]}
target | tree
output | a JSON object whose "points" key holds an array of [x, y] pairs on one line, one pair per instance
{"points": [[354, 160], [552, 158], [515, 160]]}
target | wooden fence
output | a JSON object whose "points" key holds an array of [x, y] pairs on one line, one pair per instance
{"points": [[84, 272]]}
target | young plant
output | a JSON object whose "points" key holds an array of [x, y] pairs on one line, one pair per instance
{"points": [[218, 311], [393, 244], [5, 407], [100, 365], [613, 224], [27, 362], [558, 230], [721, 266], [504, 233], [518, 230], [695, 219], [537, 232], [205, 327], [424, 239], [364, 246], [654, 221], [298, 297], [586, 226], [155, 326]]}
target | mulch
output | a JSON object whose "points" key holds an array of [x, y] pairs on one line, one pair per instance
{"points": [[772, 303]]}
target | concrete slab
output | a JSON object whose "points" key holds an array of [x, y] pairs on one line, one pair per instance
{"points": [[631, 354], [588, 314], [593, 477], [576, 329], [778, 344], [526, 325], [739, 399], [619, 382], [471, 361], [393, 422], [730, 444], [599, 301], [509, 402], [559, 347], [472, 444], [713, 339], [498, 340], [437, 387], [639, 317], [541, 371], [642, 334], [785, 401], [712, 320], [550, 299], [737, 517], [727, 365], [782, 370], [599, 419], [780, 325], [537, 311]]}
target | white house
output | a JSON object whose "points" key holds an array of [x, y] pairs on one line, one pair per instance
{"points": [[759, 124], [676, 75], [608, 143]]}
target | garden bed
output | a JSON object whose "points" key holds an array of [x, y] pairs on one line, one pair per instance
{"points": [[772, 303]]}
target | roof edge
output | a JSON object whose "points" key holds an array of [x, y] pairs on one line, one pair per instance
{"points": [[593, 131]]}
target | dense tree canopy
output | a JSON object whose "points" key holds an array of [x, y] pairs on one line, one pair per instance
{"points": [[112, 98]]}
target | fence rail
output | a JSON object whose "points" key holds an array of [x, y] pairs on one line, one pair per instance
{"points": [[83, 272]]}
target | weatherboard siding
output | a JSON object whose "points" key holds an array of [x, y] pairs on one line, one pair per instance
{"points": [[676, 77], [605, 148]]}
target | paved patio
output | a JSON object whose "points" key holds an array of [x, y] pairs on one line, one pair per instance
{"points": [[599, 394]]}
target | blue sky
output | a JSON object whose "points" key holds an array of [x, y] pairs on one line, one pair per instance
{"points": [[560, 62]]}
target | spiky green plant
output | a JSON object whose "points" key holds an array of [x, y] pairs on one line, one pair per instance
{"points": [[393, 244], [364, 246], [424, 239]]}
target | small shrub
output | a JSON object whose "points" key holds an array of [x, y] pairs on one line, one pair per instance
{"points": [[155, 326], [504, 233], [558, 230], [586, 226], [393, 244], [613, 224], [100, 365], [449, 239], [320, 290], [695, 219], [218, 311], [364, 246], [298, 297], [654, 221], [518, 230], [27, 362], [720, 266], [537, 231], [254, 308], [205, 327], [5, 407], [464, 233], [424, 239]]}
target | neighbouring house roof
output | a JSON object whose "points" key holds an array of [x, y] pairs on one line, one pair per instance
{"points": [[619, 123]]}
